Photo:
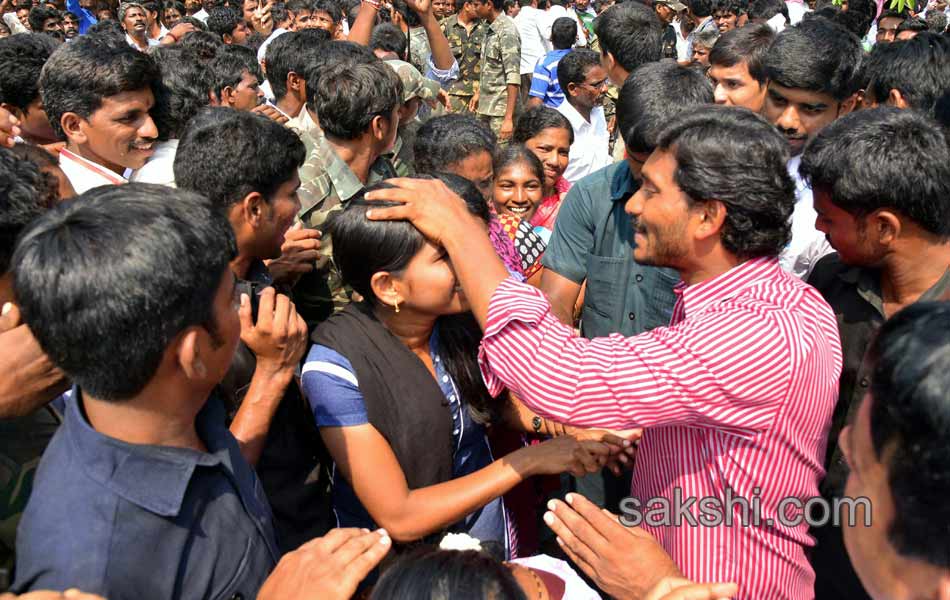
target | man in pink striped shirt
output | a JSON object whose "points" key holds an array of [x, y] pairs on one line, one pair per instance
{"points": [[735, 396]]}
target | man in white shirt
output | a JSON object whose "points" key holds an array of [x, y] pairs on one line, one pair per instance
{"points": [[108, 131], [584, 83], [134, 21], [558, 9], [535, 32]]}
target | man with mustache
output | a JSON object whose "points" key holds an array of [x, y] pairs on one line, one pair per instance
{"points": [[97, 92], [811, 71], [584, 83], [134, 20]]}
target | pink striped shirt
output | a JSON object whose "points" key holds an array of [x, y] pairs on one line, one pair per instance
{"points": [[736, 394]]}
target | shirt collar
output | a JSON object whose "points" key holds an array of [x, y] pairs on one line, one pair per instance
{"points": [[623, 183], [867, 282], [152, 477], [91, 168], [577, 121], [726, 285]]}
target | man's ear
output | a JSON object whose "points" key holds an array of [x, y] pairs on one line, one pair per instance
{"points": [[380, 127], [896, 99], [226, 97], [885, 225], [189, 357], [711, 218], [72, 125], [227, 39], [253, 211], [296, 83], [848, 104]]}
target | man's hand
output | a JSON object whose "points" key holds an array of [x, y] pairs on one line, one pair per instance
{"points": [[298, 254], [176, 33], [327, 568], [622, 444], [279, 338], [677, 588], [473, 103], [420, 6], [435, 210], [9, 128], [624, 562], [70, 594], [507, 127], [270, 112]]}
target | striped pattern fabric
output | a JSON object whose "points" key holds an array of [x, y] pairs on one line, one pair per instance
{"points": [[736, 394]]}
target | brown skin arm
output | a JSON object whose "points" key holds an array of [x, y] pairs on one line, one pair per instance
{"points": [[562, 293]]}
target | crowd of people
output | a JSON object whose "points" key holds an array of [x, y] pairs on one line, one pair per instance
{"points": [[335, 299]]}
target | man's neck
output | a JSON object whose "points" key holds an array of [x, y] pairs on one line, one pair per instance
{"points": [[150, 418], [494, 15], [242, 263], [290, 105], [584, 112], [358, 157], [909, 272], [466, 20], [154, 30], [709, 265], [82, 152], [140, 40]]}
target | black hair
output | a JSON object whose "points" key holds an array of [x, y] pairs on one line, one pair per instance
{"points": [[293, 52], [279, 13], [563, 33], [81, 73], [222, 20], [108, 28], [728, 6], [764, 10], [715, 148], [427, 574], [573, 67], [151, 6], [910, 426], [21, 60], [448, 140], [39, 15], [181, 91], [517, 153], [653, 95], [919, 68], [229, 65], [330, 7], [389, 38], [748, 44], [176, 5], [348, 96], [535, 120], [890, 13], [912, 24], [701, 8], [816, 55], [295, 6], [198, 24], [128, 266], [937, 21], [204, 44], [855, 21], [27, 193], [334, 54], [706, 38], [632, 33], [884, 158], [226, 154]]}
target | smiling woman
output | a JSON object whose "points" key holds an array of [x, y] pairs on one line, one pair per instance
{"points": [[518, 192]]}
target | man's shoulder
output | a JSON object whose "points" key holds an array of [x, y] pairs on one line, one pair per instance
{"points": [[827, 273], [598, 185]]}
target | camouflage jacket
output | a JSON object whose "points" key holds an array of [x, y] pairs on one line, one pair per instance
{"points": [[501, 66], [467, 48], [326, 184], [419, 50]]}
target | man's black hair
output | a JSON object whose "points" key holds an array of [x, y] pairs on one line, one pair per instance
{"points": [[919, 68], [816, 55], [573, 67], [937, 21], [884, 158], [108, 28], [748, 45], [181, 91], [27, 193], [21, 60], [764, 10], [728, 6], [91, 67], [448, 140], [890, 13], [348, 96], [632, 33], [701, 8], [39, 15], [653, 95], [389, 38], [731, 155], [293, 52], [279, 13], [334, 53], [913, 24], [330, 7], [226, 154], [910, 413], [563, 33], [151, 6], [855, 21], [222, 20], [204, 44], [229, 66], [128, 266], [198, 24]]}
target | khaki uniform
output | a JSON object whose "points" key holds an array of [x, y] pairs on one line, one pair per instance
{"points": [[326, 184], [501, 67], [419, 50], [466, 46], [414, 85]]}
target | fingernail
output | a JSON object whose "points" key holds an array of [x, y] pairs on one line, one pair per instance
{"points": [[385, 540], [364, 530], [548, 518], [7, 307], [369, 213], [569, 498], [560, 542], [552, 505], [382, 532], [244, 299]]}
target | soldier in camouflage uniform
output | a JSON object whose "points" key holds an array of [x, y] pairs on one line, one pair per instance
{"points": [[466, 35], [327, 182], [415, 89], [501, 69]]}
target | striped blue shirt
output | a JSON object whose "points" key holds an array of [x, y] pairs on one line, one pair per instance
{"points": [[544, 83]]}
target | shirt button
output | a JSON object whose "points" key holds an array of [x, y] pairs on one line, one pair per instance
{"points": [[445, 379], [632, 316], [237, 596], [639, 278], [864, 382]]}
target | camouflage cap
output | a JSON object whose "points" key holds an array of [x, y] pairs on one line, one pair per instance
{"points": [[414, 85]]}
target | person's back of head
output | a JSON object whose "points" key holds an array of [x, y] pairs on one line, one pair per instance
{"points": [[883, 159], [936, 21], [749, 45], [80, 74], [293, 52], [222, 21], [563, 33], [910, 74], [182, 90], [204, 44], [107, 28], [429, 574], [21, 61], [573, 68], [355, 99], [229, 68], [816, 55], [652, 96], [631, 33], [332, 54], [27, 193], [762, 11], [445, 141], [732, 156], [387, 37], [913, 25], [701, 8], [131, 267]]}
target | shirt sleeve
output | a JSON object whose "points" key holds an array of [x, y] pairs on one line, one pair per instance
{"points": [[688, 374], [86, 18], [568, 252], [511, 57], [540, 80], [442, 76], [330, 386]]}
